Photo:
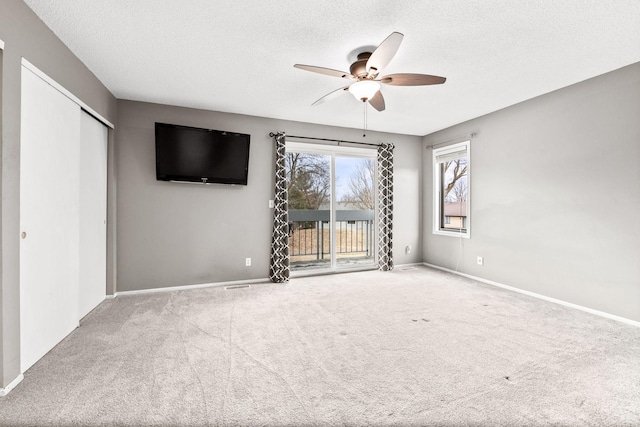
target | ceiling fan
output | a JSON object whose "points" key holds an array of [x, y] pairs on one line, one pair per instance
{"points": [[365, 70]]}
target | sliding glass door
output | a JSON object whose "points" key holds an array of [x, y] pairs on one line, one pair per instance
{"points": [[331, 206], [309, 189], [354, 210]]}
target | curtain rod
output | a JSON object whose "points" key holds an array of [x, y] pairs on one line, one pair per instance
{"points": [[271, 134], [468, 136]]}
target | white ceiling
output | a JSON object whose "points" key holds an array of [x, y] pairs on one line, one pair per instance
{"points": [[238, 55]]}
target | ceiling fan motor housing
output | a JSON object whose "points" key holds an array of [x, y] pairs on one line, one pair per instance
{"points": [[359, 68]]}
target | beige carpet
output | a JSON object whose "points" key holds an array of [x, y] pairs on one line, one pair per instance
{"points": [[414, 347]]}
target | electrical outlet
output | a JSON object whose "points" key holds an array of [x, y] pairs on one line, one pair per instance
{"points": [[271, 204], [247, 262], [480, 260], [407, 250]]}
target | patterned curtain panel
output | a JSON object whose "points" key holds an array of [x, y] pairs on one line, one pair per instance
{"points": [[385, 207], [279, 267]]}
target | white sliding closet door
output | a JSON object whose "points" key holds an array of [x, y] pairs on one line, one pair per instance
{"points": [[49, 218], [93, 213]]}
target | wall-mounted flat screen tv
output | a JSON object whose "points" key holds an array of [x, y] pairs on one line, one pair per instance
{"points": [[205, 156]]}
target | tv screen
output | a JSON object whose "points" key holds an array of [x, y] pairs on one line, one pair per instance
{"points": [[201, 155]]}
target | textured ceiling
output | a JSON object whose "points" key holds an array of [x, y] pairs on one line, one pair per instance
{"points": [[238, 55]]}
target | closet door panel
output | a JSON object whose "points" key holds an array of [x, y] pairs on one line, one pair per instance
{"points": [[93, 213], [49, 218]]}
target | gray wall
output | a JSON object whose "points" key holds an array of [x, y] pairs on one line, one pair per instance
{"points": [[26, 36], [172, 234], [555, 195]]}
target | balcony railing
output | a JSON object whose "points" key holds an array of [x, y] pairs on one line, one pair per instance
{"points": [[310, 234]]}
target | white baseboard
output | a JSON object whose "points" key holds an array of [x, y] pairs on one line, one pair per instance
{"points": [[408, 266], [187, 287], [540, 296], [11, 386]]}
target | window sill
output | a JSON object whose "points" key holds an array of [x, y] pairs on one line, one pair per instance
{"points": [[452, 234]]}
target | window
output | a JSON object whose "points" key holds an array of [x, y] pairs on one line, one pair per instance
{"points": [[451, 204]]}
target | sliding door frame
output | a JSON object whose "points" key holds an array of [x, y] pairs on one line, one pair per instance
{"points": [[334, 151]]}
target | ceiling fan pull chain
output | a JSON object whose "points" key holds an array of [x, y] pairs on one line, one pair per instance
{"points": [[364, 131]]}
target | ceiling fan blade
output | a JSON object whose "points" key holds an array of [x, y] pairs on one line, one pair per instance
{"points": [[377, 101], [327, 71], [406, 79], [332, 95], [383, 54]]}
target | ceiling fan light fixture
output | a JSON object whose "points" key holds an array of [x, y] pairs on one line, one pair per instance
{"points": [[364, 90]]}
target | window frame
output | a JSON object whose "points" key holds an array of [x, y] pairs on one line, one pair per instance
{"points": [[438, 201]]}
